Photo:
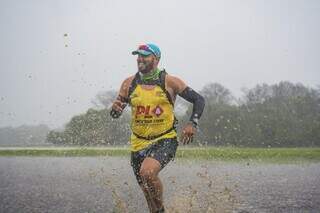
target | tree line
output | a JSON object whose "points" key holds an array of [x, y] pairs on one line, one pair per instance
{"points": [[278, 115]]}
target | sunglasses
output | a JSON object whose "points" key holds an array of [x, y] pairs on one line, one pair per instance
{"points": [[147, 48]]}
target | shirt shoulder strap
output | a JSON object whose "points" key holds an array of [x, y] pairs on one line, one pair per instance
{"points": [[163, 74], [133, 84]]}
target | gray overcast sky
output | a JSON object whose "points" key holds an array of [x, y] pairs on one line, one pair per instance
{"points": [[237, 43]]}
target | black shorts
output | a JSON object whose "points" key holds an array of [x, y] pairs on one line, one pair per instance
{"points": [[163, 151]]}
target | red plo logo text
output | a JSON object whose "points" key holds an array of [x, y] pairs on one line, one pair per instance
{"points": [[147, 110]]}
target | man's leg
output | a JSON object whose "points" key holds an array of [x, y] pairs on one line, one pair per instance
{"points": [[147, 170], [136, 162], [152, 186], [150, 202]]}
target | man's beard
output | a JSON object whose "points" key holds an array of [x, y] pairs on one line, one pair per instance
{"points": [[144, 67]]}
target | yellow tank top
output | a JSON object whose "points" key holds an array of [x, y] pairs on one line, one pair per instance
{"points": [[152, 114]]}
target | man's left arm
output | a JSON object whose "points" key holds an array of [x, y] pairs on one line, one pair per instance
{"points": [[198, 102]]}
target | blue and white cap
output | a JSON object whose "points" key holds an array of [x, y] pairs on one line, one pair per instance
{"points": [[147, 49]]}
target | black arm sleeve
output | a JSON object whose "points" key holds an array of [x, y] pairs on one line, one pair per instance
{"points": [[197, 100]]}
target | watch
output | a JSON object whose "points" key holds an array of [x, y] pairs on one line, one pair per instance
{"points": [[194, 123]]}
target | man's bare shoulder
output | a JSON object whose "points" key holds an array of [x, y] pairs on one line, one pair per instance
{"points": [[176, 83], [129, 80], [124, 90]]}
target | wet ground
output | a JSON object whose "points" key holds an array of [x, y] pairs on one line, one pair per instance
{"points": [[107, 184]]}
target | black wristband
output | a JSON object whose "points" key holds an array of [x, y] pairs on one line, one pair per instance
{"points": [[194, 124], [115, 114]]}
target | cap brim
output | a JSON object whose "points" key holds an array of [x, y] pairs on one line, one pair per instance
{"points": [[141, 52]]}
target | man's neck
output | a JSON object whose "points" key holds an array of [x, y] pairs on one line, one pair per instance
{"points": [[151, 75]]}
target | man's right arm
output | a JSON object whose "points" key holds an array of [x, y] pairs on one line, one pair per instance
{"points": [[122, 99]]}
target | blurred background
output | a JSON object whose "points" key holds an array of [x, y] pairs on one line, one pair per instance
{"points": [[256, 63]]}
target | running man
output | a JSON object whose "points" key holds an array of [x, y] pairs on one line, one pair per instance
{"points": [[151, 93]]}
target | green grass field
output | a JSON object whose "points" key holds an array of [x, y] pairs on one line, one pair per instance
{"points": [[206, 153]]}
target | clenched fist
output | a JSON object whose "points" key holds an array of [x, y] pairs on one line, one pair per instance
{"points": [[117, 108]]}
